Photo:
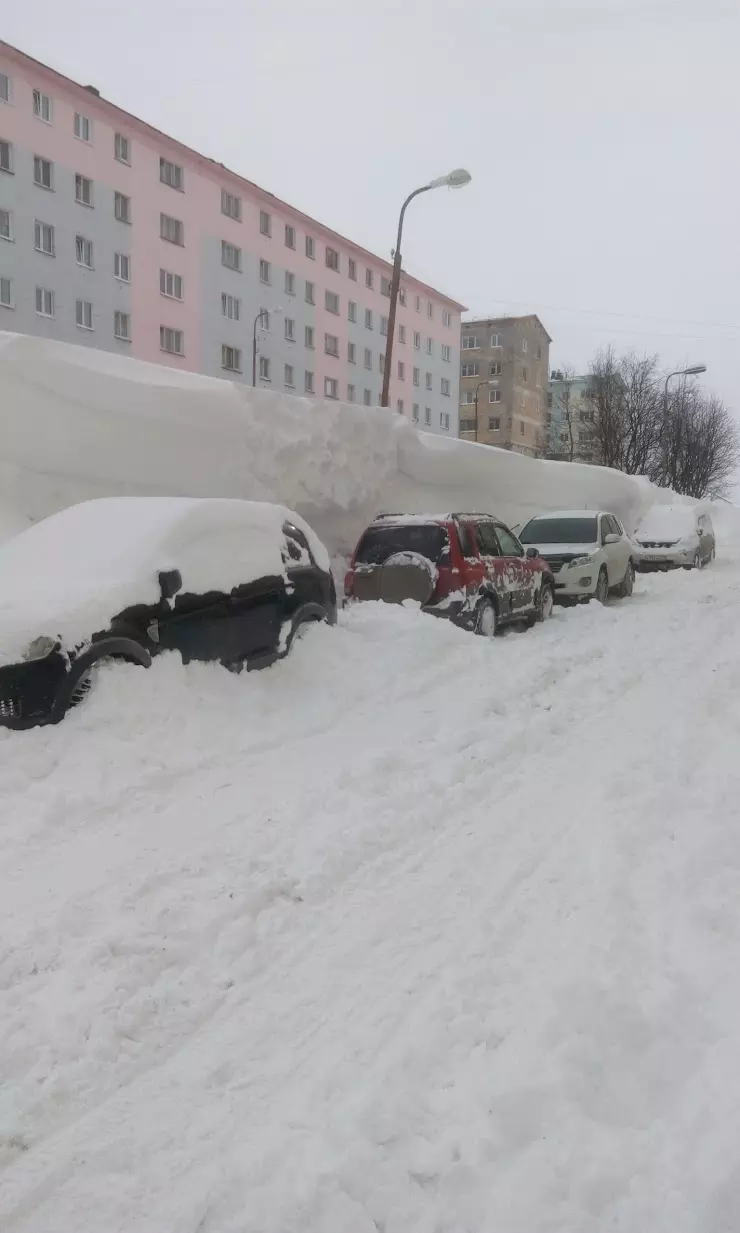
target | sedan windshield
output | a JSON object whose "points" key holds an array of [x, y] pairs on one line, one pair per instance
{"points": [[380, 543], [560, 531]]}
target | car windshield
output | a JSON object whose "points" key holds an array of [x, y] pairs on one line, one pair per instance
{"points": [[560, 531], [381, 542]]}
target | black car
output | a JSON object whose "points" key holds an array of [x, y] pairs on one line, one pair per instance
{"points": [[252, 622]]}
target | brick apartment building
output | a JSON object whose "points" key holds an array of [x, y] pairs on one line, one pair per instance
{"points": [[506, 359], [114, 235]]}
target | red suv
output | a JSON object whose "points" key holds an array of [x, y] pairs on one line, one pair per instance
{"points": [[469, 568]]}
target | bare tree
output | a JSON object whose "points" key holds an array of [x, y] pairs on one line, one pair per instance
{"points": [[624, 395], [699, 448]]}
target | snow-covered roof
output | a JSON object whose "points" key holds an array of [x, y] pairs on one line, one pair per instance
{"points": [[68, 575]]}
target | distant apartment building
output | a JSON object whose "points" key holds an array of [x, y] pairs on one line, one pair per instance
{"points": [[506, 359], [115, 236], [570, 415]]}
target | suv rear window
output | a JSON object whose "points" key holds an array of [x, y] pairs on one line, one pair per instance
{"points": [[380, 543], [560, 531]]}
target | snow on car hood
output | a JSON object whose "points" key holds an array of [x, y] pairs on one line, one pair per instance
{"points": [[69, 575], [560, 550]]}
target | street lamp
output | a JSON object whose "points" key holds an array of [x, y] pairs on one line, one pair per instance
{"points": [[693, 371], [453, 179], [488, 381], [263, 312]]}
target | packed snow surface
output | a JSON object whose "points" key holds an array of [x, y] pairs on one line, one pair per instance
{"points": [[69, 574], [415, 932]]}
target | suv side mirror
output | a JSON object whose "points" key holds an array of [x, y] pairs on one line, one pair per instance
{"points": [[170, 581], [700, 530], [531, 553], [611, 538]]}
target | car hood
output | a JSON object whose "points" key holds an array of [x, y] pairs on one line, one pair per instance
{"points": [[563, 550]]}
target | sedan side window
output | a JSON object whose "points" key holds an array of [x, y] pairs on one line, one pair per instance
{"points": [[510, 547], [486, 537]]}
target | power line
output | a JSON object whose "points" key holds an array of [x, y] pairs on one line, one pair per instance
{"points": [[597, 312]]}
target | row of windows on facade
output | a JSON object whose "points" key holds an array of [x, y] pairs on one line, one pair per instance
{"points": [[46, 306], [173, 175], [473, 342], [495, 369], [494, 425]]}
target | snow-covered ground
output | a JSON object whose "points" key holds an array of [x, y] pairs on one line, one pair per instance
{"points": [[414, 933]]}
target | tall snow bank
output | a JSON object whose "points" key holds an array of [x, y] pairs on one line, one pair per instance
{"points": [[79, 423]]}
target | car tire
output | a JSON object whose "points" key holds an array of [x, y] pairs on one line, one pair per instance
{"points": [[486, 619], [601, 594], [78, 680], [626, 586], [544, 605]]}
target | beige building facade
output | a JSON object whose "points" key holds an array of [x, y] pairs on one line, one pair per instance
{"points": [[506, 360]]}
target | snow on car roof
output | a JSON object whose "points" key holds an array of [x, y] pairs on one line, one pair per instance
{"points": [[683, 514], [70, 574], [568, 513]]}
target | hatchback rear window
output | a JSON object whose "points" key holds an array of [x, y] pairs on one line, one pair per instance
{"points": [[560, 531], [380, 543]]}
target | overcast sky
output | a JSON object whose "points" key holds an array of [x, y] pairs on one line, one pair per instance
{"points": [[602, 137]]}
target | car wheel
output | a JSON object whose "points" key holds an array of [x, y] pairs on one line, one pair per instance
{"points": [[486, 619], [712, 555], [302, 626], [699, 561], [544, 605], [626, 586], [602, 587], [78, 680]]}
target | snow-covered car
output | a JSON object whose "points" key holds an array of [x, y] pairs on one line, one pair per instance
{"points": [[127, 578], [674, 536], [588, 551]]}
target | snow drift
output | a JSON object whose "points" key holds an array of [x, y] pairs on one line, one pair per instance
{"points": [[79, 423]]}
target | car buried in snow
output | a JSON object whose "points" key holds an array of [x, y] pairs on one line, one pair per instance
{"points": [[124, 579], [674, 537], [468, 568]]}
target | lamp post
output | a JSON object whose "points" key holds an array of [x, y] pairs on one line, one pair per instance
{"points": [[263, 312], [488, 381], [693, 371], [454, 179]]}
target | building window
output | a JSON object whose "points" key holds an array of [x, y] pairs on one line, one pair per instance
{"points": [[171, 340], [444, 386], [401, 371], [310, 293], [264, 320], [84, 252], [351, 353], [525, 373], [428, 380], [231, 206], [495, 368], [381, 363], [368, 358], [6, 157], [310, 247], [289, 236], [430, 309], [350, 393], [122, 267], [170, 284], [231, 306], [539, 352], [264, 368], [469, 342], [231, 256], [84, 314], [331, 302], [6, 225], [430, 346], [288, 376], [308, 384], [332, 259], [417, 341], [385, 285], [416, 376], [415, 413], [83, 127], [122, 326], [264, 271], [43, 108], [172, 175], [5, 88], [44, 302], [369, 279], [521, 428], [496, 340], [6, 293], [367, 398], [265, 223], [467, 398], [399, 406], [467, 426], [290, 329], [384, 326], [446, 318], [231, 358], [446, 352], [122, 208], [427, 415], [352, 269], [402, 333], [494, 395], [417, 303], [368, 318], [171, 229], [331, 387], [494, 423], [444, 420], [43, 172], [309, 337], [525, 345], [331, 344], [122, 149], [402, 296], [351, 310], [83, 190], [43, 239], [289, 283]]}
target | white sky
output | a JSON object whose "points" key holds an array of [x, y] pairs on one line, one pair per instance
{"points": [[602, 136]]}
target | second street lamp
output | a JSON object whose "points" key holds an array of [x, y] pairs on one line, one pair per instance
{"points": [[693, 371], [454, 179]]}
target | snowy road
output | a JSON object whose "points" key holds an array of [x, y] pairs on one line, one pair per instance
{"points": [[414, 933]]}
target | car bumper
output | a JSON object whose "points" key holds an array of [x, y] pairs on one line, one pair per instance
{"points": [[576, 583], [28, 691], [659, 562]]}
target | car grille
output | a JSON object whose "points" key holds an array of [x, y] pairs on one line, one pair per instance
{"points": [[654, 543], [556, 563]]}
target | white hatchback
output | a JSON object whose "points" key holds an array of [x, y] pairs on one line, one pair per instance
{"points": [[588, 552]]}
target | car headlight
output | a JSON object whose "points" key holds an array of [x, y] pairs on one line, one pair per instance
{"points": [[578, 562]]}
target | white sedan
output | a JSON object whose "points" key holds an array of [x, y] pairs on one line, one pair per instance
{"points": [[588, 551]]}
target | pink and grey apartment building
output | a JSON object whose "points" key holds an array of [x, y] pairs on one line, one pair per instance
{"points": [[113, 235]]}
